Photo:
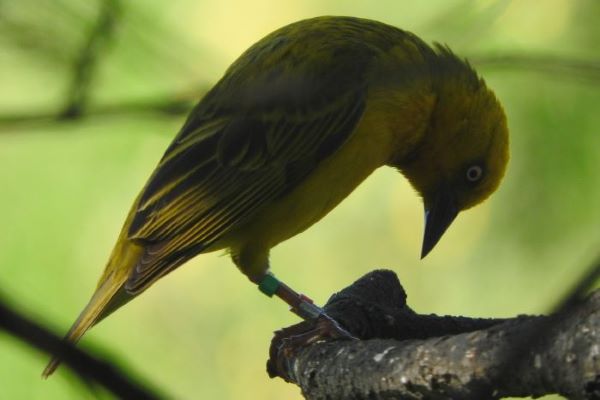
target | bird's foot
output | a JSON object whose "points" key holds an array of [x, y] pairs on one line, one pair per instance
{"points": [[288, 341]]}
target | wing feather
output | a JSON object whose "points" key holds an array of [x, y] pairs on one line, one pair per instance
{"points": [[237, 153]]}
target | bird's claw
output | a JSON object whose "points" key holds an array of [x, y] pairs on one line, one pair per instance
{"points": [[288, 341]]}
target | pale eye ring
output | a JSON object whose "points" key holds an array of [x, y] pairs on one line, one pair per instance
{"points": [[474, 173]]}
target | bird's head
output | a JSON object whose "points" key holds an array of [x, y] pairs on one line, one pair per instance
{"points": [[463, 154]]}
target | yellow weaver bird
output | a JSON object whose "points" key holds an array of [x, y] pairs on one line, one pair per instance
{"points": [[291, 129]]}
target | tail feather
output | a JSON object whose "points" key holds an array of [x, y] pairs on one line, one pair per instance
{"points": [[110, 293], [93, 311]]}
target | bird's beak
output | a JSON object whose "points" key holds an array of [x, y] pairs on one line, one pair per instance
{"points": [[438, 217]]}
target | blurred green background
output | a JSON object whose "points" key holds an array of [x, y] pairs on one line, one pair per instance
{"points": [[204, 331]]}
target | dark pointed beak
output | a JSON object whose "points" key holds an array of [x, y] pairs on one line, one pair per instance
{"points": [[438, 217]]}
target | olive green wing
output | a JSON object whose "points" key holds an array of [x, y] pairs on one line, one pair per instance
{"points": [[244, 145]]}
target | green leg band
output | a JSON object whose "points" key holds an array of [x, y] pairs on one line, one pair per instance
{"points": [[269, 285]]}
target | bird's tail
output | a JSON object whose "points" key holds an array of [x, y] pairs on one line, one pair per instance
{"points": [[109, 295]]}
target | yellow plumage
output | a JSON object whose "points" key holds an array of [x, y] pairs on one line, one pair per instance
{"points": [[297, 123]]}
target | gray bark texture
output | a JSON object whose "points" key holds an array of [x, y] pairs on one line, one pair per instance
{"points": [[405, 355]]}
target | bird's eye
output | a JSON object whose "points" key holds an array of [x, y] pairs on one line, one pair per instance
{"points": [[474, 173]]}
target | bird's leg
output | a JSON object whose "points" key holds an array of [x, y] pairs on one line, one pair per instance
{"points": [[303, 306], [300, 304], [317, 325]]}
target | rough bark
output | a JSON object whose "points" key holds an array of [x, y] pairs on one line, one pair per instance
{"points": [[404, 355]]}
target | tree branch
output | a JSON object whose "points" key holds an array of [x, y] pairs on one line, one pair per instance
{"points": [[408, 355]]}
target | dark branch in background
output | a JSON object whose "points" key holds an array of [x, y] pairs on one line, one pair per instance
{"points": [[87, 367], [167, 106], [566, 68], [181, 103], [408, 355], [86, 64]]}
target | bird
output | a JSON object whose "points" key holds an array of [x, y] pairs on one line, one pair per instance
{"points": [[295, 124]]}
